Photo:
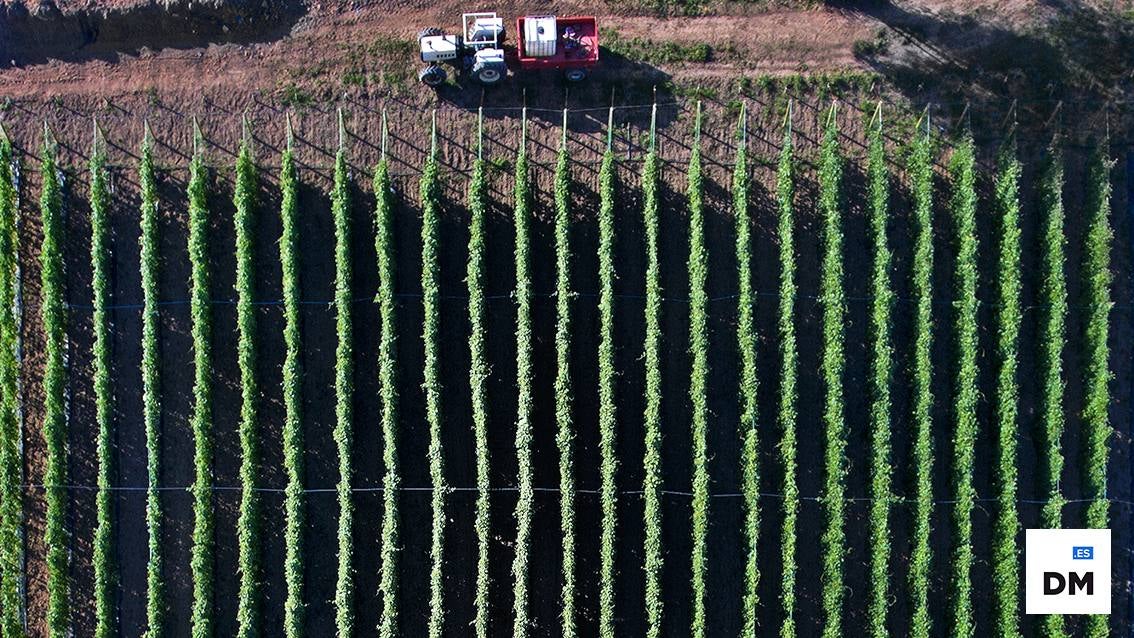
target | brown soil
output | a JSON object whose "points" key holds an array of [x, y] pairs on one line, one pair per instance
{"points": [[411, 133], [768, 43]]}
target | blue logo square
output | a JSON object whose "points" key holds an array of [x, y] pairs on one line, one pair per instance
{"points": [[1082, 553]]}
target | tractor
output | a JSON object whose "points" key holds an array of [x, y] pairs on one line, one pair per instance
{"points": [[566, 44]]}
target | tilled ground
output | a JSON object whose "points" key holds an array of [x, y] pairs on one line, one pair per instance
{"points": [[409, 133]]}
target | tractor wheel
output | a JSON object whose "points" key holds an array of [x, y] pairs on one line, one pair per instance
{"points": [[432, 75], [429, 32], [488, 73], [575, 75]]}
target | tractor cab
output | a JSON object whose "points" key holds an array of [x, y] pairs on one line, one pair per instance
{"points": [[483, 31], [484, 39]]}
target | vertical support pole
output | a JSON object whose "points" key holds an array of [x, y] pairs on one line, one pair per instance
{"points": [[610, 127], [433, 136], [385, 134], [1130, 230]]}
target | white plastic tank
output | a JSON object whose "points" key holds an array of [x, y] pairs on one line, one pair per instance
{"points": [[540, 34]]}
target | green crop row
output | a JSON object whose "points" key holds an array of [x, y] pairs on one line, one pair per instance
{"points": [[388, 382], [921, 179], [834, 319], [1005, 552], [608, 423], [1096, 269], [565, 434], [294, 505], [478, 379], [524, 401], [148, 244], [698, 382], [432, 385], [344, 388], [652, 462], [104, 578], [54, 389], [248, 518], [881, 376], [11, 462], [201, 558], [963, 173], [746, 343], [1052, 335], [1053, 294], [785, 196]]}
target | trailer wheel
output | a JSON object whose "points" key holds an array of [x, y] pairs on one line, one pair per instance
{"points": [[575, 75], [429, 32], [432, 75]]}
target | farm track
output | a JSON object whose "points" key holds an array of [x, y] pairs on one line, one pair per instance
{"points": [[315, 134], [234, 73]]}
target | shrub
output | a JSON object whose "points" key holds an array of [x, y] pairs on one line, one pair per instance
{"points": [[921, 178], [965, 401], [248, 520], [294, 503], [1052, 337], [1005, 554], [201, 559], [608, 423], [430, 294], [1096, 272], [652, 467], [563, 400], [54, 392], [881, 376], [478, 378], [655, 52], [524, 400], [11, 460], [104, 579], [746, 343], [344, 387], [388, 382], [785, 194], [834, 318], [872, 47]]}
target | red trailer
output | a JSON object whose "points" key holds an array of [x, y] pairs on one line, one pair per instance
{"points": [[550, 42]]}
